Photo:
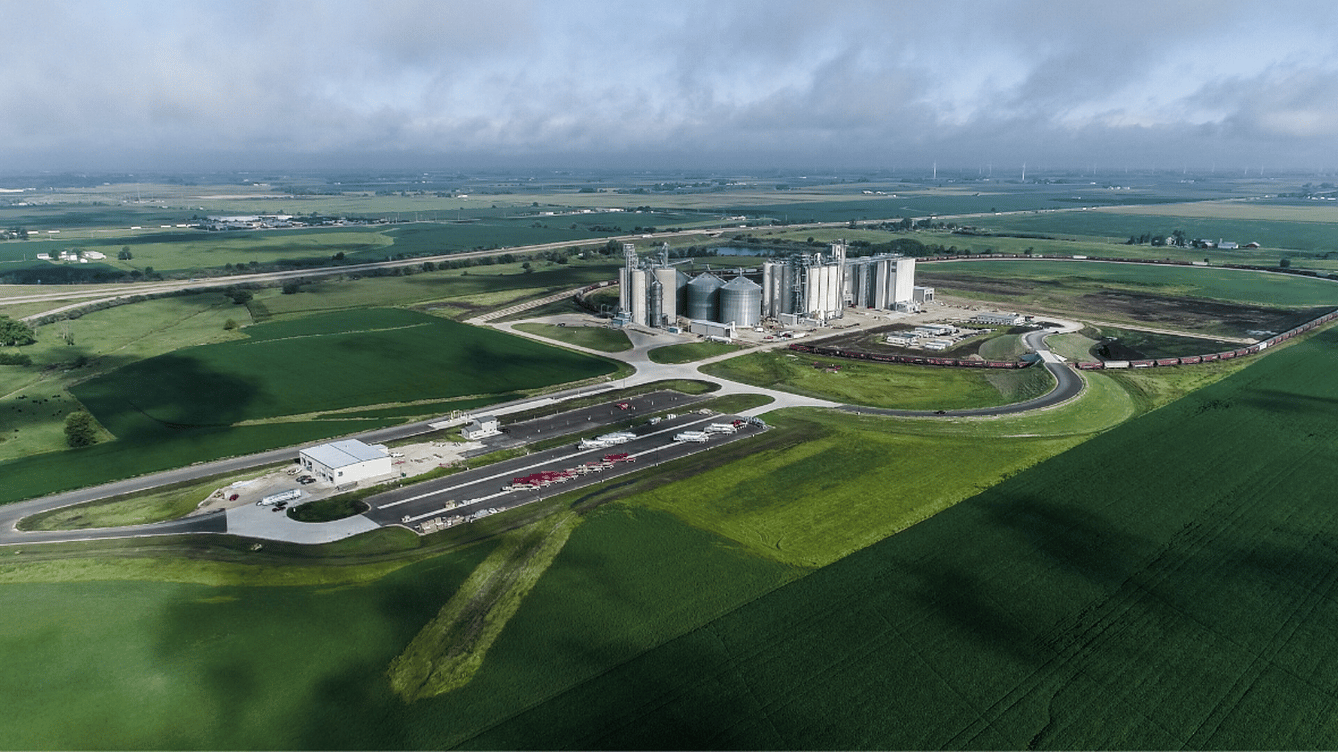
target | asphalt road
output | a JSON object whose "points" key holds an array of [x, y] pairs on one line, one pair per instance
{"points": [[483, 488], [586, 418]]}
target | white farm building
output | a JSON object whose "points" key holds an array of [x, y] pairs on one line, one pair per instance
{"points": [[347, 461], [481, 427]]}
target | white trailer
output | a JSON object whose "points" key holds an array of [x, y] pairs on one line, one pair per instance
{"points": [[296, 493]]}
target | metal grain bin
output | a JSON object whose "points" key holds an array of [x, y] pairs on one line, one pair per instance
{"points": [[704, 297], [741, 302]]}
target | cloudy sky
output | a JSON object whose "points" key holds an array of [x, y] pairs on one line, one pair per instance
{"points": [[124, 84]]}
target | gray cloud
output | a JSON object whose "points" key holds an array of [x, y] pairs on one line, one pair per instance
{"points": [[848, 81]]}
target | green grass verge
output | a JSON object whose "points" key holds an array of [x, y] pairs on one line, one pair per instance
{"points": [[446, 654], [877, 384], [689, 352], [599, 338], [328, 510], [157, 505]]}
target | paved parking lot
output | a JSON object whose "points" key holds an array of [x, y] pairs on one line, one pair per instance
{"points": [[466, 494]]}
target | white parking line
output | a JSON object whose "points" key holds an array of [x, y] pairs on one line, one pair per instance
{"points": [[439, 512], [555, 459]]}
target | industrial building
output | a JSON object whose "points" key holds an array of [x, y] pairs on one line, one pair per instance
{"points": [[347, 461], [651, 292], [480, 427], [808, 288]]}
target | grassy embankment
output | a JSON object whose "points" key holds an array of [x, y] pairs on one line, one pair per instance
{"points": [[446, 654], [599, 338], [689, 352], [882, 384]]}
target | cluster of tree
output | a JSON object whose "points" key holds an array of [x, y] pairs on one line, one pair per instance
{"points": [[80, 429], [14, 233], [15, 333], [1177, 239]]}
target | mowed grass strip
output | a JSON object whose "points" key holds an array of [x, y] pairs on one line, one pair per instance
{"points": [[446, 654], [1169, 584], [690, 352], [593, 337], [877, 384]]}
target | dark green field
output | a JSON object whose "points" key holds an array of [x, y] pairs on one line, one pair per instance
{"points": [[1147, 589], [1301, 236], [323, 363], [1172, 583], [183, 407], [162, 665]]}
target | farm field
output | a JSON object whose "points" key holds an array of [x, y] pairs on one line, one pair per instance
{"points": [[1308, 229], [1142, 590], [888, 385], [1069, 578], [179, 663], [288, 383], [631, 578], [1195, 300], [323, 363]]}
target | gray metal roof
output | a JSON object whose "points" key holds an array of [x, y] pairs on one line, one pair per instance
{"points": [[344, 453]]}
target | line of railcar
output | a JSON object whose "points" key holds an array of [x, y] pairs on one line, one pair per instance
{"points": [[1210, 357], [924, 360]]}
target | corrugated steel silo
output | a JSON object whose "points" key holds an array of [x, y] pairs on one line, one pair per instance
{"points": [[654, 303], [741, 302], [704, 297]]}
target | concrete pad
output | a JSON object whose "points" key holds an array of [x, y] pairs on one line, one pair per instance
{"points": [[251, 521]]}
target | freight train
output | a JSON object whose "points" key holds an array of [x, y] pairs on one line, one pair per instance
{"points": [[914, 359], [1210, 357]]}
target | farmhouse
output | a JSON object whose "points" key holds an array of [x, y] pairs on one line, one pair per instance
{"points": [[347, 461], [480, 427]]}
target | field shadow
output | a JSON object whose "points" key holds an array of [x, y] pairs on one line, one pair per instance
{"points": [[168, 394], [1075, 539], [1275, 401]]}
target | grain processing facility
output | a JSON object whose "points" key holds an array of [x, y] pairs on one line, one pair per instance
{"points": [[811, 288]]}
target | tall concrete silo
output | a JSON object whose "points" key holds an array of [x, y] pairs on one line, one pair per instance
{"points": [[741, 302]]}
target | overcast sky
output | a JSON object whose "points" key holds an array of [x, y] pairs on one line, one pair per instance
{"points": [[123, 84]]}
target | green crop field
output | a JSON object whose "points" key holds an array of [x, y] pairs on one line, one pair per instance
{"points": [[1209, 283], [321, 364], [285, 384], [1285, 228], [1143, 590], [188, 666], [883, 384]]}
